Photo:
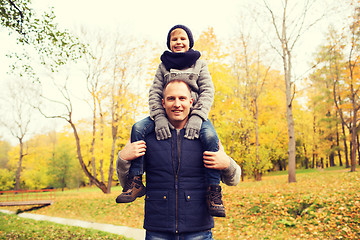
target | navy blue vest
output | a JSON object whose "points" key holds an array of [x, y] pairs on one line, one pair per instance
{"points": [[175, 185]]}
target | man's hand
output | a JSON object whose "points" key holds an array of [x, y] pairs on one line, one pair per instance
{"points": [[216, 160], [133, 150]]}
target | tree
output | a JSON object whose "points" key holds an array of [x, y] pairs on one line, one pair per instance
{"points": [[6, 180], [15, 14], [35, 165], [16, 102], [67, 115], [110, 75], [341, 55], [228, 114], [61, 168], [353, 81], [288, 30], [272, 120], [4, 156], [251, 75], [113, 71], [124, 65], [53, 46], [39, 34], [324, 95], [255, 74], [247, 107], [95, 69]]}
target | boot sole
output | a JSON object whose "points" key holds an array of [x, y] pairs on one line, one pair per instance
{"points": [[217, 214], [130, 199]]}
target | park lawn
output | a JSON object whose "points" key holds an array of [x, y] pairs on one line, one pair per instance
{"points": [[14, 227], [320, 205]]}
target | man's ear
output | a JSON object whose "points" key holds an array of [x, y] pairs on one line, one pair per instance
{"points": [[163, 102], [191, 101]]}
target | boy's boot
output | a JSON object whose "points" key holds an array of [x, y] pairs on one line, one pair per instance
{"points": [[133, 189], [214, 201]]}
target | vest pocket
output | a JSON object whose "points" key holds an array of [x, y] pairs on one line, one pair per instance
{"points": [[156, 208], [196, 212]]}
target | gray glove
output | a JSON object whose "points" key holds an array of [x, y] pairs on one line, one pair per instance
{"points": [[162, 129], [193, 127]]}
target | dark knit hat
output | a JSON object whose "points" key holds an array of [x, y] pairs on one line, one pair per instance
{"points": [[188, 32]]}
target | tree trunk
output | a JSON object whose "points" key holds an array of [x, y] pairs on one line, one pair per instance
{"points": [[343, 124], [232, 143], [358, 149], [314, 149], [355, 108], [289, 114], [111, 167], [100, 185], [114, 131], [338, 143], [18, 171], [101, 143], [93, 164], [332, 158], [353, 143], [291, 132], [258, 173], [306, 157], [347, 164]]}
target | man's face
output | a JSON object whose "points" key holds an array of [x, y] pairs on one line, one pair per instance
{"points": [[177, 102], [179, 41]]}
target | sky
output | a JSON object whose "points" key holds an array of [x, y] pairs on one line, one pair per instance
{"points": [[151, 20]]}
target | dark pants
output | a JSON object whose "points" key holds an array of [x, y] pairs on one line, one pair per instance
{"points": [[205, 235]]}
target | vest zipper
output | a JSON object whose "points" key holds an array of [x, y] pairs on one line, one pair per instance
{"points": [[178, 144]]}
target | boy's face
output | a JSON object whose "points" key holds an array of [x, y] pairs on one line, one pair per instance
{"points": [[179, 41]]}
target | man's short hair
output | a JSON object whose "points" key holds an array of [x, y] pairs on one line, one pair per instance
{"points": [[176, 80]]}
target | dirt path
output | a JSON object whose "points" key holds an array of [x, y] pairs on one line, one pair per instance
{"points": [[137, 234]]}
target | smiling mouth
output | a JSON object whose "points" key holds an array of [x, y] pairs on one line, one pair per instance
{"points": [[177, 111], [178, 48]]}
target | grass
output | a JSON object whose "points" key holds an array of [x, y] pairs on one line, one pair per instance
{"points": [[31, 229], [320, 205], [298, 171]]}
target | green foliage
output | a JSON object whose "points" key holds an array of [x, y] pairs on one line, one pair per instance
{"points": [[7, 180], [40, 33], [63, 168], [14, 14], [4, 153], [31, 229], [305, 206], [255, 166]]}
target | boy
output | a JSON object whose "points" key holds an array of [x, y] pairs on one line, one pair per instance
{"points": [[182, 63]]}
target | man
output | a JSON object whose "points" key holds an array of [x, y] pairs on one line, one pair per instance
{"points": [[175, 204]]}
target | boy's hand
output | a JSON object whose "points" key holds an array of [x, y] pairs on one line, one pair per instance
{"points": [[162, 128], [216, 160], [133, 150], [193, 127]]}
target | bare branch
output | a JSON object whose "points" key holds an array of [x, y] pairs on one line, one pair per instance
{"points": [[275, 26], [21, 16]]}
